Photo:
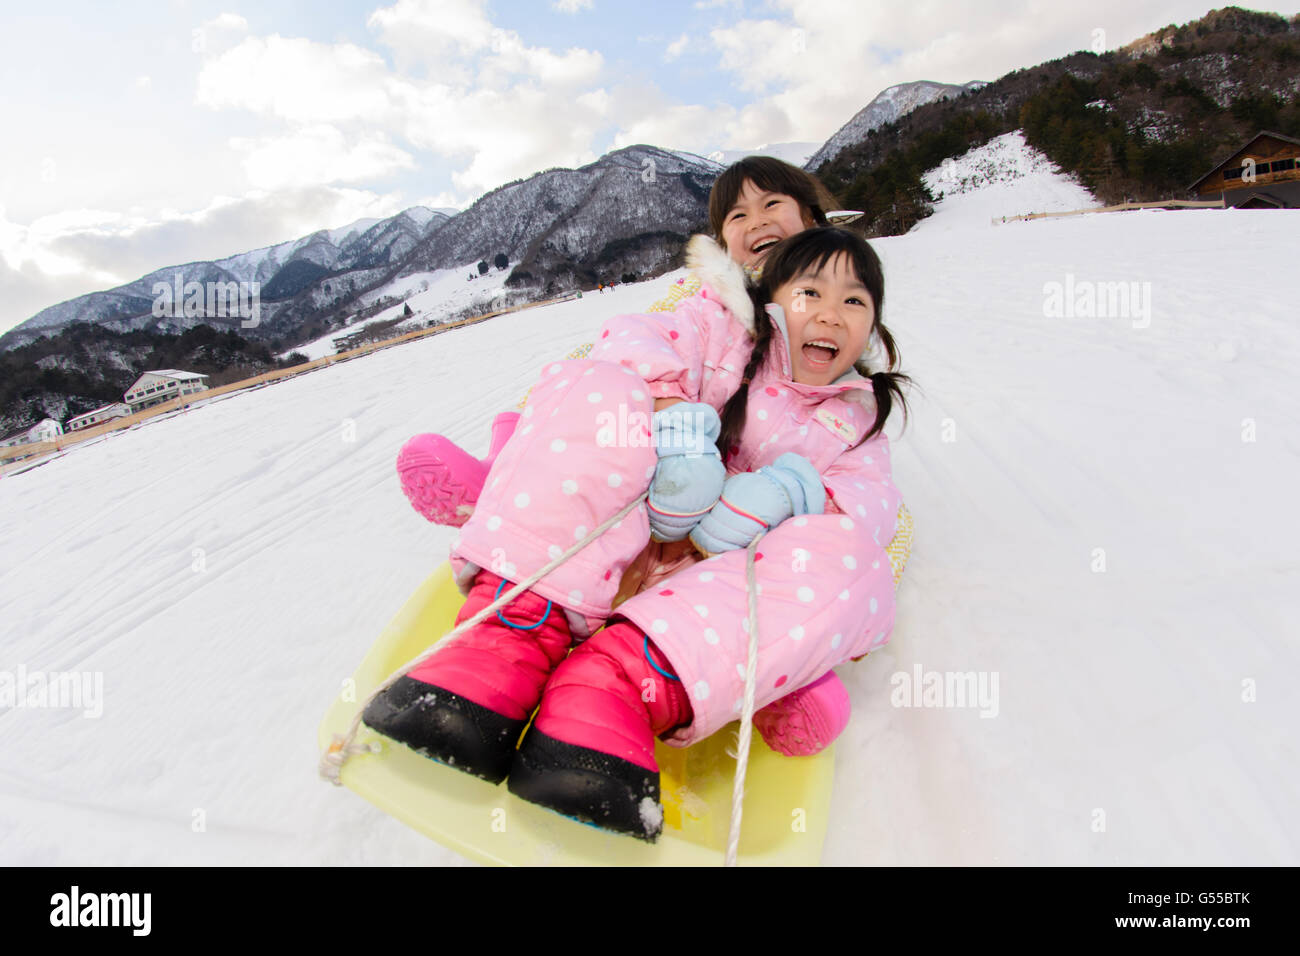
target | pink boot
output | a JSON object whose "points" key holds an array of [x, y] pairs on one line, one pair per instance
{"points": [[590, 753], [467, 705], [443, 481], [808, 720]]}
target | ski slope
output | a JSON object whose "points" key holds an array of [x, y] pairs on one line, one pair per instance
{"points": [[1004, 177], [1095, 530], [432, 296]]}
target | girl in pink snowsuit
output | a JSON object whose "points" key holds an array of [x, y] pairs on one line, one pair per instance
{"points": [[754, 204], [806, 461]]}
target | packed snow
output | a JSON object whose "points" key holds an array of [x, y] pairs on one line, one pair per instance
{"points": [[433, 297], [1105, 537], [1004, 177], [354, 229]]}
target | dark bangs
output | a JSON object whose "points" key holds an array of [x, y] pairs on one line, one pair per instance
{"points": [[772, 175], [812, 251]]}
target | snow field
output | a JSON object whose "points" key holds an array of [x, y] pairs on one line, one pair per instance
{"points": [[225, 570]]}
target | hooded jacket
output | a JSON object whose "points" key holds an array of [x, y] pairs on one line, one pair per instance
{"points": [[836, 600], [825, 583], [698, 354]]}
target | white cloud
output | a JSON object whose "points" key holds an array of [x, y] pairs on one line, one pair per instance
{"points": [[571, 6], [432, 31], [812, 72], [504, 135], [489, 103], [676, 48], [71, 253], [687, 127], [226, 21], [511, 57], [213, 35], [36, 246], [319, 154], [297, 80]]}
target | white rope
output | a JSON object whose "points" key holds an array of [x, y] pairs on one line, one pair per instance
{"points": [[342, 747], [747, 709]]}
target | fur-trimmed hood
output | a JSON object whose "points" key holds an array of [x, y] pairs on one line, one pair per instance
{"points": [[711, 264]]}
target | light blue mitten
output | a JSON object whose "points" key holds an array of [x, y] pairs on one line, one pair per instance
{"points": [[688, 479], [756, 501]]}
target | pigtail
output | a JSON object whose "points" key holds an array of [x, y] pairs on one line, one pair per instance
{"points": [[887, 386], [733, 413]]}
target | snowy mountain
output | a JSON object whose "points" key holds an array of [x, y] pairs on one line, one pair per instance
{"points": [[1105, 519], [349, 254], [630, 211], [888, 106]]}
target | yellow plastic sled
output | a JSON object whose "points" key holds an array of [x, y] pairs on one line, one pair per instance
{"points": [[787, 799]]}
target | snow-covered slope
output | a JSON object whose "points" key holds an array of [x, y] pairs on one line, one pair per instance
{"points": [[341, 235], [432, 296], [1106, 526], [888, 106], [1004, 177]]}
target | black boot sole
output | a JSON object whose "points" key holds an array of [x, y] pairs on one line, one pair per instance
{"points": [[588, 786], [447, 728]]}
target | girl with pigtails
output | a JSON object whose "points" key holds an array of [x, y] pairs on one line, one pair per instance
{"points": [[765, 406]]}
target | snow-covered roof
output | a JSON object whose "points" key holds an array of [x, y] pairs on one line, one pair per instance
{"points": [[173, 373], [31, 431], [96, 411]]}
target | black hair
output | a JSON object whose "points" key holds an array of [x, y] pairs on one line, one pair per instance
{"points": [[811, 251], [772, 175]]}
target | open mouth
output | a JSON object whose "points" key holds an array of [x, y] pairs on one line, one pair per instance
{"points": [[820, 353], [763, 245]]}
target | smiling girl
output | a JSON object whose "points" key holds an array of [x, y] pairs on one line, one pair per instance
{"points": [[753, 204], [772, 403]]}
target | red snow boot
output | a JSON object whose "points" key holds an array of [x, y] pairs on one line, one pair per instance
{"points": [[590, 752], [442, 480], [467, 705]]}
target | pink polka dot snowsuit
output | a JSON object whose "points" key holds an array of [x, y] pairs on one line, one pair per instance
{"points": [[582, 452]]}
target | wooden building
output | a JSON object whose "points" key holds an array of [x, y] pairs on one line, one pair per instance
{"points": [[1262, 174]]}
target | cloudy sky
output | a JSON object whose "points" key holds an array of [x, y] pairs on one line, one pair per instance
{"points": [[144, 134]]}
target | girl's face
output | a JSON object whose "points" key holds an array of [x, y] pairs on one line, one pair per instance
{"points": [[829, 315], [759, 220]]}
